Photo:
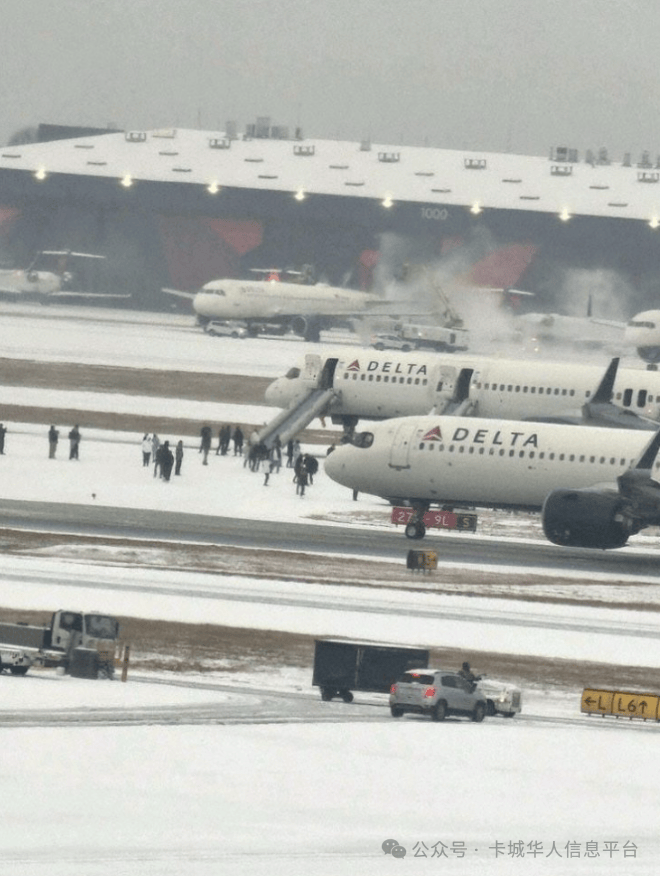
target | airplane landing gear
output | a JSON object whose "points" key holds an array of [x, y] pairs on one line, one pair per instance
{"points": [[415, 530], [415, 527]]}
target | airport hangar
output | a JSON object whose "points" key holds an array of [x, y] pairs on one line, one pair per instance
{"points": [[179, 207]]}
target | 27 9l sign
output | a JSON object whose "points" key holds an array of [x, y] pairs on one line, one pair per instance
{"points": [[438, 519]]}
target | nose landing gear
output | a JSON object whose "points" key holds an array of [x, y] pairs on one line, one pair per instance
{"points": [[415, 527]]}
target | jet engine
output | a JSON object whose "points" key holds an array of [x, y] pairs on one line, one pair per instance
{"points": [[586, 518], [649, 354], [307, 326]]}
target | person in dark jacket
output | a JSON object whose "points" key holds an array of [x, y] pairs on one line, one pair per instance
{"points": [[53, 438], [74, 442], [3, 432], [468, 674], [224, 436], [167, 461], [205, 444], [178, 455], [237, 438]]}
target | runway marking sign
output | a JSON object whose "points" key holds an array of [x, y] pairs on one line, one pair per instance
{"points": [[621, 704], [438, 519]]}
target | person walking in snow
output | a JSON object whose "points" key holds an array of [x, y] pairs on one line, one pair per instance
{"points": [[237, 438], [53, 438], [178, 456], [155, 446], [3, 432], [167, 461], [205, 443], [146, 450], [74, 442]]}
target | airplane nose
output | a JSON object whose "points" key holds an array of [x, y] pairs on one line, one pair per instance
{"points": [[337, 467], [275, 394], [281, 392]]}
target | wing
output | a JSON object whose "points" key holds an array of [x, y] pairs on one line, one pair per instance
{"points": [[178, 293]]}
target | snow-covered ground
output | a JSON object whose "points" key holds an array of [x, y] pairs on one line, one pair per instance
{"points": [[317, 799]]}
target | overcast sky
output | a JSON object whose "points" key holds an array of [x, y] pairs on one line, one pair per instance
{"points": [[514, 75]]}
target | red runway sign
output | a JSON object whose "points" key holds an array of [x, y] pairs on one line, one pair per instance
{"points": [[438, 519]]}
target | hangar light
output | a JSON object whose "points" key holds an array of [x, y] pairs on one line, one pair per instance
{"points": [[300, 195], [475, 209], [127, 181], [387, 201], [654, 222], [40, 173], [565, 215], [213, 188]]}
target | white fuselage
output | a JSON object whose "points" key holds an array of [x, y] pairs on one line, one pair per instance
{"points": [[490, 463], [245, 299], [643, 332], [373, 385]]}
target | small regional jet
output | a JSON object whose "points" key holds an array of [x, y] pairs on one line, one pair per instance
{"points": [[301, 306], [643, 333], [594, 487], [376, 385], [56, 274], [552, 330]]}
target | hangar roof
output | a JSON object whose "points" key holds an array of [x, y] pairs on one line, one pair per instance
{"points": [[560, 184]]}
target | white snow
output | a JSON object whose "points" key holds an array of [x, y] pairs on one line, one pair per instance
{"points": [[317, 798]]}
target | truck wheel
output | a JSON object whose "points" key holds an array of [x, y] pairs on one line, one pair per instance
{"points": [[405, 348], [327, 693], [379, 347], [508, 714], [490, 707], [479, 713], [18, 670], [396, 711], [439, 712], [347, 696]]}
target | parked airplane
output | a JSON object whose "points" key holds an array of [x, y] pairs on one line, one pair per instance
{"points": [[594, 487], [301, 307], [643, 333], [56, 274], [372, 385]]}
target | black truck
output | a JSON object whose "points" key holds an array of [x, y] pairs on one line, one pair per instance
{"points": [[342, 666]]}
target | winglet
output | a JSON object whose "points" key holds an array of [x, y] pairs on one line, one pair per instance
{"points": [[606, 385], [647, 458]]}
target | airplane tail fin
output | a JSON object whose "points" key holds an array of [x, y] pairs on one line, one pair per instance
{"points": [[647, 457], [606, 386]]}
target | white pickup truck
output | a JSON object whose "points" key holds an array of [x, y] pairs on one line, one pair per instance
{"points": [[501, 698]]}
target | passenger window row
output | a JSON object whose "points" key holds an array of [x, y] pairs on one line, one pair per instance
{"points": [[386, 378], [541, 390], [626, 396], [471, 450]]}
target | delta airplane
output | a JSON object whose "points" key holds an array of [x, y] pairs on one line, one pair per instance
{"points": [[301, 307], [53, 274], [377, 385], [594, 487]]}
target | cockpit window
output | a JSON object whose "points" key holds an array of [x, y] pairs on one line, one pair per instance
{"points": [[363, 439], [292, 373]]}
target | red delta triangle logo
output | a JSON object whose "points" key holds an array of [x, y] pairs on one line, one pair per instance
{"points": [[354, 366], [433, 434]]}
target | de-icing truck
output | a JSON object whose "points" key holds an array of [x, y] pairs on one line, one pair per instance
{"points": [[23, 645]]}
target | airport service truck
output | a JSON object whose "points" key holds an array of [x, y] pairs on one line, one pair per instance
{"points": [[83, 643], [435, 337]]}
